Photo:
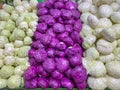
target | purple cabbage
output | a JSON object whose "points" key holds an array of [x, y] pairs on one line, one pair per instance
{"points": [[49, 65], [61, 46], [42, 82], [59, 5], [31, 84], [42, 27], [42, 11], [58, 28], [79, 74], [56, 54], [71, 5], [30, 73], [50, 52], [66, 83], [41, 71], [76, 60], [53, 83], [57, 75], [40, 55], [55, 13], [62, 64]]}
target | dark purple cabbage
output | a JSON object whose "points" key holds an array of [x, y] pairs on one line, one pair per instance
{"points": [[37, 45], [59, 5], [82, 86], [57, 75], [54, 42], [53, 83], [50, 52], [59, 53], [42, 82], [79, 74], [67, 83], [41, 5], [31, 84], [40, 55], [30, 73], [71, 5], [42, 11], [56, 54], [62, 64], [76, 60], [49, 65], [42, 27], [61, 46], [58, 28], [55, 13], [41, 71], [66, 14], [69, 28]]}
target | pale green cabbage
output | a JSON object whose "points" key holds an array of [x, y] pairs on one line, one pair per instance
{"points": [[6, 71], [23, 51], [14, 81], [3, 83], [3, 41]]}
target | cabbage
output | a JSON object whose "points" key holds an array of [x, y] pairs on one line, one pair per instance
{"points": [[5, 33], [14, 81], [8, 8], [49, 65], [23, 51], [79, 74], [1, 63], [18, 34], [19, 70], [1, 54], [65, 82], [4, 15], [76, 60], [53, 83], [9, 60], [30, 73], [21, 61], [6, 71], [33, 83], [27, 40], [57, 75], [62, 64], [55, 13], [9, 49], [42, 82], [42, 11], [3, 83], [113, 69], [58, 28], [10, 25], [42, 27], [18, 43], [3, 41], [59, 5]]}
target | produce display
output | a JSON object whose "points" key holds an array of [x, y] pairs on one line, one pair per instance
{"points": [[56, 53], [101, 41], [17, 26], [60, 44]]}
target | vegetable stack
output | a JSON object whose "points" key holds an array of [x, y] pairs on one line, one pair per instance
{"points": [[16, 30], [56, 53], [101, 33]]}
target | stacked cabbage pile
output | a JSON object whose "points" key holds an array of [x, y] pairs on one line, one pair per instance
{"points": [[17, 24], [101, 33], [56, 54]]}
